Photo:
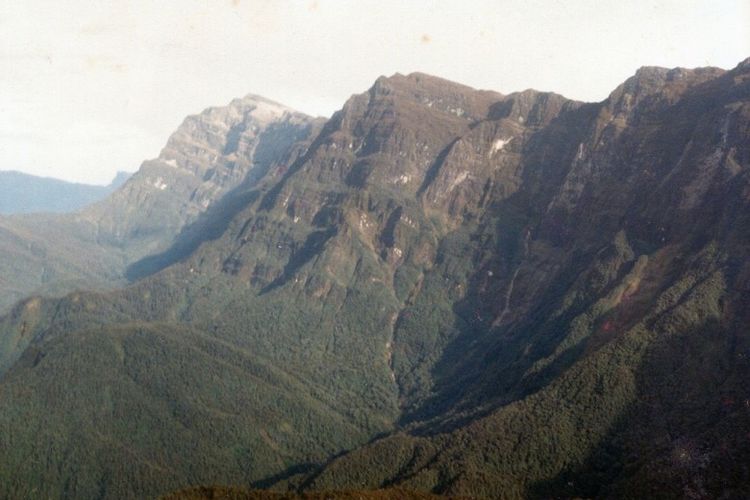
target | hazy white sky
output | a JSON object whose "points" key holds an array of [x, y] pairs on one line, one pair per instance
{"points": [[88, 88]]}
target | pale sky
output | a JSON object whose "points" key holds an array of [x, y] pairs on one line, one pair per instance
{"points": [[88, 88]]}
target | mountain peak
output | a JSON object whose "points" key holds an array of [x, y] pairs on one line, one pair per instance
{"points": [[255, 98], [649, 79], [435, 280], [434, 93], [259, 108], [745, 64], [260, 101], [424, 81], [532, 107], [652, 80], [222, 127]]}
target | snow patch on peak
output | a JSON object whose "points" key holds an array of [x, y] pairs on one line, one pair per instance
{"points": [[499, 144], [159, 184], [267, 111]]}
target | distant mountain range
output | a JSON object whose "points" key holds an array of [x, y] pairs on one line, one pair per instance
{"points": [[439, 289], [23, 193]]}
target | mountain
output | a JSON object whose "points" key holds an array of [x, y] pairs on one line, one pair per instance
{"points": [[438, 289], [209, 156], [23, 193]]}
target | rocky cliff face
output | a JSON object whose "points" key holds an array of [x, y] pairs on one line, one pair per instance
{"points": [[520, 295], [208, 156], [579, 340]]}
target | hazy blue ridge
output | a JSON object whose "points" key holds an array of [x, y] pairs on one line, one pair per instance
{"points": [[24, 193]]}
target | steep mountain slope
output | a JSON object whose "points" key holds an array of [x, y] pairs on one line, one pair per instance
{"points": [[206, 158], [614, 366], [24, 193], [478, 294], [332, 349]]}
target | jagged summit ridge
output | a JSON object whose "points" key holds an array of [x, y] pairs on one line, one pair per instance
{"points": [[431, 91], [220, 130]]}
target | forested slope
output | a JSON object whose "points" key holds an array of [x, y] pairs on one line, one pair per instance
{"points": [[444, 289]]}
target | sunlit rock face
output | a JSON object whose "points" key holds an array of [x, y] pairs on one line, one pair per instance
{"points": [[209, 154]]}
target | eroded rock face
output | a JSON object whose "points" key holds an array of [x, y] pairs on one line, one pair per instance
{"points": [[209, 155], [631, 223]]}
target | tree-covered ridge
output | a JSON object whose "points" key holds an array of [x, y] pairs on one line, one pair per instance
{"points": [[445, 290]]}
